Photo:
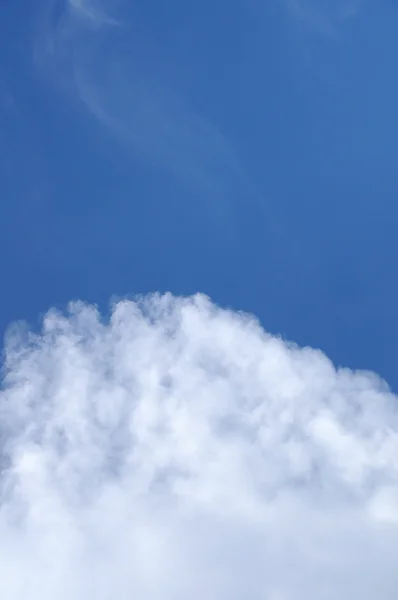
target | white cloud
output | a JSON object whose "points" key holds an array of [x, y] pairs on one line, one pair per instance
{"points": [[178, 451]]}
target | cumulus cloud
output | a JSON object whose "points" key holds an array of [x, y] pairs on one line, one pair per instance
{"points": [[176, 450]]}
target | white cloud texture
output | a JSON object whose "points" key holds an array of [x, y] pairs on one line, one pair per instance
{"points": [[178, 451]]}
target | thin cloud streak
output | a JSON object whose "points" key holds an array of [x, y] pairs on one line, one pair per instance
{"points": [[323, 17], [129, 95], [178, 450]]}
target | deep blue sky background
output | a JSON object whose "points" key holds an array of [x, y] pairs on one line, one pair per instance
{"points": [[247, 150]]}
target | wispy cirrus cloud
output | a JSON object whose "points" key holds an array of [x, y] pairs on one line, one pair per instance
{"points": [[93, 10], [178, 450], [323, 17], [320, 31], [126, 87]]}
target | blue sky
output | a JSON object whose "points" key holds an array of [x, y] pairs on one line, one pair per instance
{"points": [[242, 156], [246, 150]]}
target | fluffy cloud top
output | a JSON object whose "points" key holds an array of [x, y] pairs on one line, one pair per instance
{"points": [[178, 451]]}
